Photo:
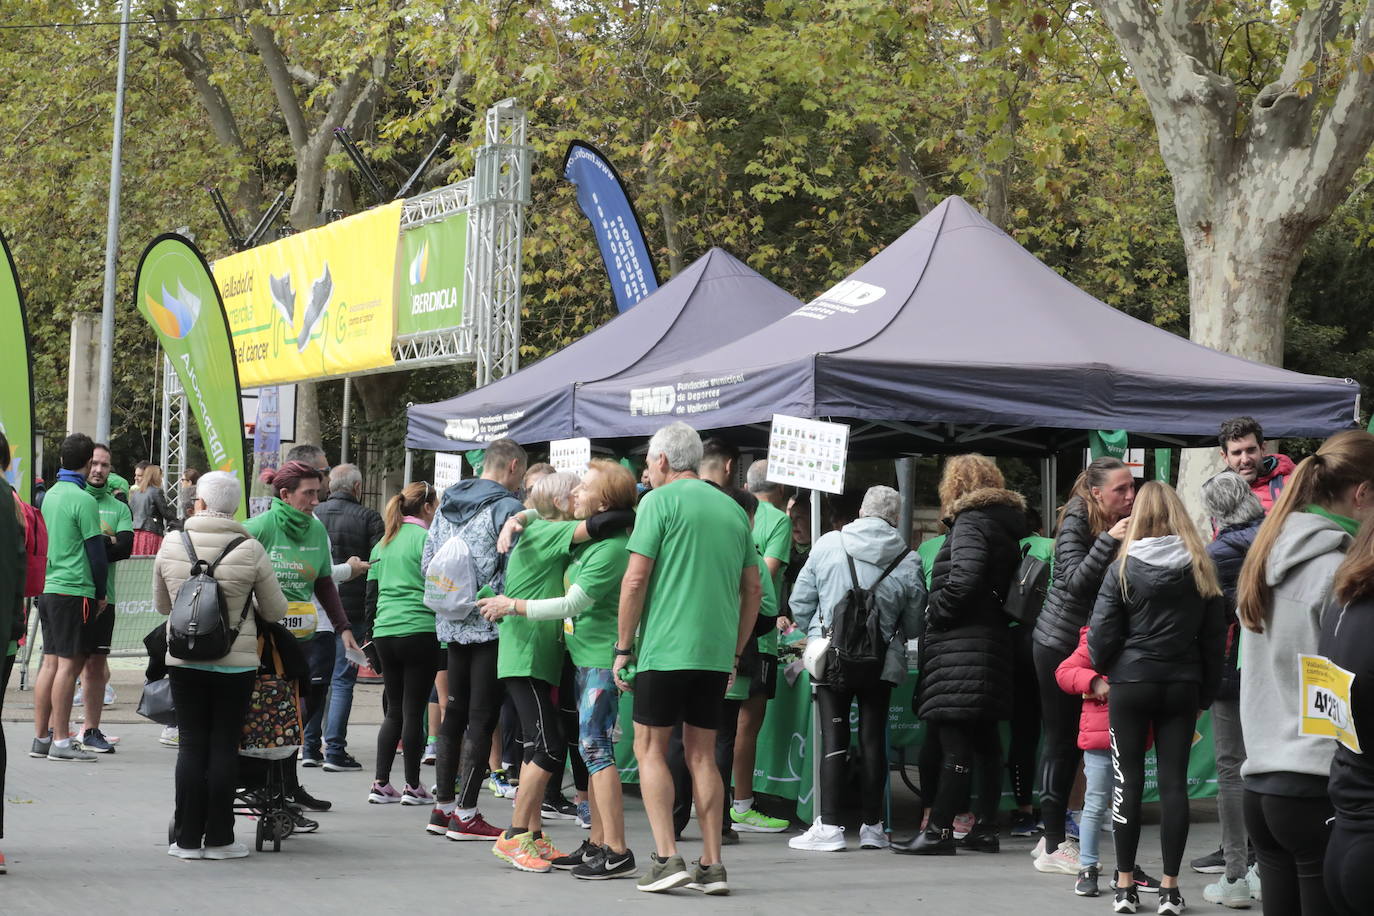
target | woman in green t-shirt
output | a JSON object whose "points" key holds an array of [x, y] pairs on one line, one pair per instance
{"points": [[530, 660], [403, 633]]}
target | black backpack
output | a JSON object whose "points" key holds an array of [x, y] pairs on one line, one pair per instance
{"points": [[198, 627], [857, 646], [1028, 589]]}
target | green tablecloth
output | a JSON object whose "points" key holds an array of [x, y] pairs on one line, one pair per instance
{"points": [[786, 749]]}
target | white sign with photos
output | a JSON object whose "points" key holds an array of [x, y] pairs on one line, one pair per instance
{"points": [[448, 470], [807, 453], [570, 455]]}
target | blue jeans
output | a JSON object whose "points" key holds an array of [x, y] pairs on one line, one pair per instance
{"points": [[340, 703], [1097, 798], [319, 653]]}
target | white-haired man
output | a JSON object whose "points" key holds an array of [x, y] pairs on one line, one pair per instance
{"points": [[692, 583]]}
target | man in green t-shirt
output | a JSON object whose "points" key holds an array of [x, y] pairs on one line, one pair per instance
{"points": [[691, 584], [72, 609], [117, 528]]}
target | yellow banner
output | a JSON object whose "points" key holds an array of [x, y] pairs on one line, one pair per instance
{"points": [[317, 304]]}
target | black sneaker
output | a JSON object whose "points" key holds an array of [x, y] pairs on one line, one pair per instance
{"points": [[1171, 901], [608, 865], [1086, 885], [303, 823], [728, 837], [93, 739], [1144, 882], [1126, 899], [580, 856], [341, 763], [556, 806], [1211, 864], [306, 800]]}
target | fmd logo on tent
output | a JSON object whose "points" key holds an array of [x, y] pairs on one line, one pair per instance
{"points": [[175, 315], [651, 402], [419, 265]]}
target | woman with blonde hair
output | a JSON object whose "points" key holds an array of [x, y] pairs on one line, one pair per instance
{"points": [[402, 629], [965, 683], [152, 513], [1282, 598], [1158, 633]]}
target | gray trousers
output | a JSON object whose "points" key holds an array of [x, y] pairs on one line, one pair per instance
{"points": [[1230, 751]]}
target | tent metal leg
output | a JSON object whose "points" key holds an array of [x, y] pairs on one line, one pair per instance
{"points": [[408, 467], [815, 516], [906, 486], [347, 403], [1049, 474]]}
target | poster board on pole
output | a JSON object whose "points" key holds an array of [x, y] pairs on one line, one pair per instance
{"points": [[810, 454], [448, 470], [570, 455]]}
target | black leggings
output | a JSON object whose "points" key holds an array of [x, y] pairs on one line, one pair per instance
{"points": [[567, 718], [970, 748], [408, 677], [540, 733], [474, 702], [1290, 836], [1025, 717], [1350, 870], [1059, 755], [833, 706], [6, 665], [1170, 709]]}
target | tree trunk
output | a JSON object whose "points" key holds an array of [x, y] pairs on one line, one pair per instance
{"points": [[307, 414]]}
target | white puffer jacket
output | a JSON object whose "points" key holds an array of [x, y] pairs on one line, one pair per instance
{"points": [[244, 571]]}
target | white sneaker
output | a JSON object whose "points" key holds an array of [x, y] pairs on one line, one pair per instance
{"points": [[820, 838], [1063, 861], [1039, 849], [873, 836], [431, 753], [177, 852], [109, 695], [1252, 879], [232, 851], [171, 736], [1234, 894]]}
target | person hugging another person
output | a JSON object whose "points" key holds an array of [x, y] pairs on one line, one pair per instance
{"points": [[1158, 632]]}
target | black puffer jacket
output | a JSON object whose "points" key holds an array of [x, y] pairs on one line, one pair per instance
{"points": [[966, 646], [1080, 562], [1228, 553], [1161, 630], [354, 530]]}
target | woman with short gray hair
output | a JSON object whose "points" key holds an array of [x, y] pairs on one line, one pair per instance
{"points": [[1236, 513]]}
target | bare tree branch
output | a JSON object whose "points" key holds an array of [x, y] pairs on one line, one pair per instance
{"points": [[279, 74]]}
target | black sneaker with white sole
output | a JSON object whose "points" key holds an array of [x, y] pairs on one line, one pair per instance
{"points": [[556, 806], [1214, 863], [1126, 899], [1086, 885], [1171, 901], [1144, 882], [606, 866], [582, 855]]}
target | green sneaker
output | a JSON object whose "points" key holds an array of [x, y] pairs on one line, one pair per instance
{"points": [[709, 879], [753, 821], [665, 874]]}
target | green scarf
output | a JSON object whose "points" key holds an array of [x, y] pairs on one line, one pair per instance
{"points": [[289, 520], [1349, 524]]}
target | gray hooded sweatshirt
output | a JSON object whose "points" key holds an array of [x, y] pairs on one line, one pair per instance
{"points": [[1300, 569], [824, 580]]}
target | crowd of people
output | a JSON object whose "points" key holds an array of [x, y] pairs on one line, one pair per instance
{"points": [[680, 589]]}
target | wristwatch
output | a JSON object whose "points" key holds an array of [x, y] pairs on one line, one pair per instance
{"points": [[620, 651]]}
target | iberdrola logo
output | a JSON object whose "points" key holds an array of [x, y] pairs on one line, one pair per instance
{"points": [[175, 315], [419, 265]]}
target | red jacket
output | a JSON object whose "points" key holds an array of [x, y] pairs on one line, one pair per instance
{"points": [[1273, 474], [1075, 675]]}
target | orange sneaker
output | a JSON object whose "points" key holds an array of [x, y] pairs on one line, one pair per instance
{"points": [[547, 851], [519, 850]]}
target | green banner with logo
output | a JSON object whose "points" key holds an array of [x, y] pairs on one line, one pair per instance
{"points": [[177, 294], [16, 379], [1107, 443], [433, 258]]}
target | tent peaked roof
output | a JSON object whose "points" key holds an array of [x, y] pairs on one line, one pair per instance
{"points": [[953, 334], [714, 299]]}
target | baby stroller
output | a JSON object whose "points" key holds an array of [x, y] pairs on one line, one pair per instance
{"points": [[271, 737]]}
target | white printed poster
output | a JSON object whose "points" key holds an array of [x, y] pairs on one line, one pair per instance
{"points": [[448, 470], [807, 453], [570, 455]]}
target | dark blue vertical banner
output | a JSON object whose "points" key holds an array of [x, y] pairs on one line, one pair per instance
{"points": [[601, 195]]}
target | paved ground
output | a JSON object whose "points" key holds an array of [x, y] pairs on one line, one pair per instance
{"points": [[93, 836]]}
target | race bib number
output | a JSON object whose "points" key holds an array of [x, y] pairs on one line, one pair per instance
{"points": [[301, 619], [568, 626], [1326, 701]]}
